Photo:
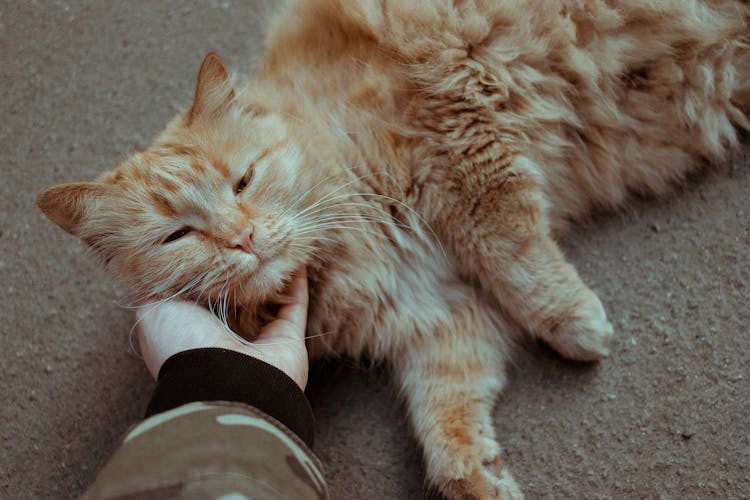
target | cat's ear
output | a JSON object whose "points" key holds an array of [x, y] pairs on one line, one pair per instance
{"points": [[68, 205], [213, 91]]}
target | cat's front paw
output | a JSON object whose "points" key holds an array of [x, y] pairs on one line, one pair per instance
{"points": [[585, 335], [481, 474], [491, 482], [501, 484]]}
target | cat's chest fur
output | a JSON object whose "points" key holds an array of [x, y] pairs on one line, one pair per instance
{"points": [[373, 298]]}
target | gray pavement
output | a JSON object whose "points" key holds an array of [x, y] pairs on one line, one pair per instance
{"points": [[86, 83]]}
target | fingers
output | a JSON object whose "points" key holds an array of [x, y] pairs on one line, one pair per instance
{"points": [[166, 328], [296, 311]]}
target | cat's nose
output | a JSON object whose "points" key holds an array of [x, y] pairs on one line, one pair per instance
{"points": [[244, 240]]}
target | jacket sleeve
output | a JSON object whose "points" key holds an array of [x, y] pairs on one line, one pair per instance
{"points": [[219, 423]]}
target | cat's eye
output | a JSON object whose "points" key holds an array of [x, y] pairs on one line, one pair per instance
{"points": [[243, 182], [177, 234]]}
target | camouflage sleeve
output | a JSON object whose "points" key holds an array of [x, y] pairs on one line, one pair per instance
{"points": [[209, 435]]}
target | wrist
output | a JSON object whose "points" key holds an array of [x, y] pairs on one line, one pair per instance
{"points": [[217, 374]]}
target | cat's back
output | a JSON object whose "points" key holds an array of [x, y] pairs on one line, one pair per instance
{"points": [[604, 98]]}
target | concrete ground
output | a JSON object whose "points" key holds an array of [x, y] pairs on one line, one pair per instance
{"points": [[85, 83]]}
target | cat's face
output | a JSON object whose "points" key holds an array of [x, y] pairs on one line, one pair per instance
{"points": [[213, 210]]}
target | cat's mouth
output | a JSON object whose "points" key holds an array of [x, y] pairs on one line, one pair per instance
{"points": [[255, 266], [251, 263]]}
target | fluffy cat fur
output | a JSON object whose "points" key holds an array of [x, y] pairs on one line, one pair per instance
{"points": [[420, 158]]}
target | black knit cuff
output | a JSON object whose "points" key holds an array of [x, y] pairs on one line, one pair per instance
{"points": [[214, 374]]}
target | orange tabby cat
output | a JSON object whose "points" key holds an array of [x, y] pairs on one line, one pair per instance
{"points": [[419, 158]]}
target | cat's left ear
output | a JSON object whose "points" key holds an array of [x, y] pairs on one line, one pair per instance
{"points": [[71, 205], [213, 91]]}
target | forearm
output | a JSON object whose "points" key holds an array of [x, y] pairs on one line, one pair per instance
{"points": [[219, 422]]}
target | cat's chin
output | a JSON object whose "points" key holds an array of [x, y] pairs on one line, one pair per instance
{"points": [[263, 280]]}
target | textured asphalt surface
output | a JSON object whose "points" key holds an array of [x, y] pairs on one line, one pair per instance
{"points": [[86, 83]]}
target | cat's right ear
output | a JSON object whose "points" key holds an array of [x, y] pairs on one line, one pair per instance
{"points": [[213, 90], [68, 205]]}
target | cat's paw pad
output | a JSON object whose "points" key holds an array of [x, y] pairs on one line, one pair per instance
{"points": [[584, 337]]}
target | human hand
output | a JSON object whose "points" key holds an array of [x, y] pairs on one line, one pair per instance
{"points": [[167, 328]]}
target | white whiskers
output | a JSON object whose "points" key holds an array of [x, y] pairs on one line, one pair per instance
{"points": [[305, 230]]}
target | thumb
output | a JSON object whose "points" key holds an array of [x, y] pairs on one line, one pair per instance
{"points": [[291, 319]]}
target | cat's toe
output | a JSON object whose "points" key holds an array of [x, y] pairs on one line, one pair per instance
{"points": [[505, 488], [500, 482], [484, 479], [488, 484], [584, 337]]}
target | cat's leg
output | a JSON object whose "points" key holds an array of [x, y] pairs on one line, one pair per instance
{"points": [[450, 379], [498, 229]]}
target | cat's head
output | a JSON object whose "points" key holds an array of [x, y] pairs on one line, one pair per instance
{"points": [[215, 207]]}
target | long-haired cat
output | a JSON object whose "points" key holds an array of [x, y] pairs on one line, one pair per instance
{"points": [[420, 158]]}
